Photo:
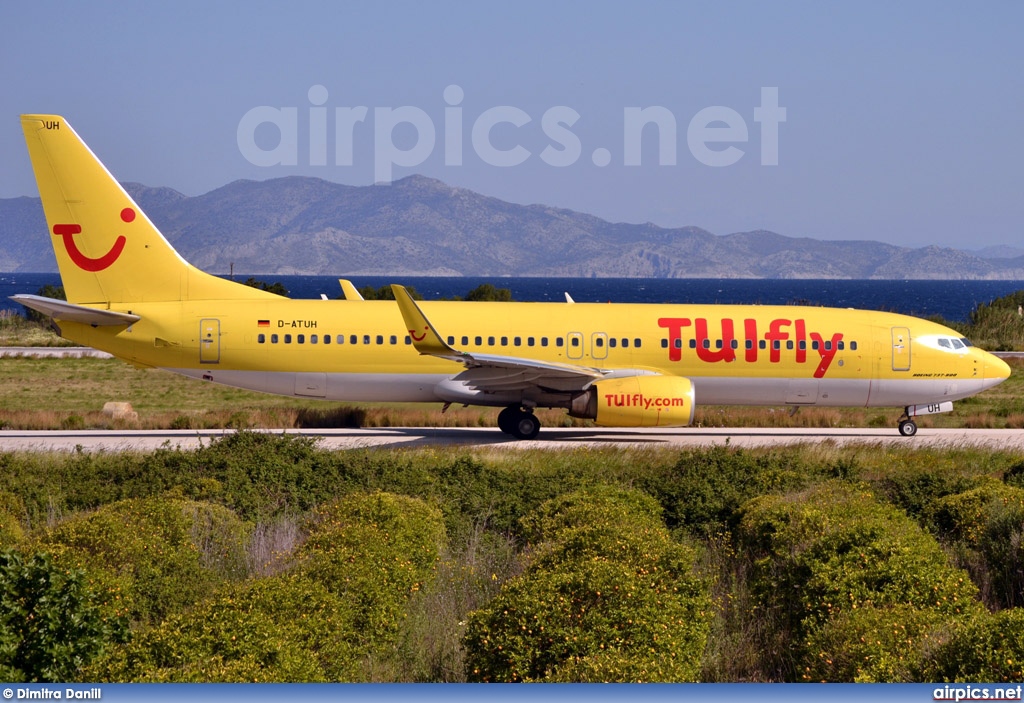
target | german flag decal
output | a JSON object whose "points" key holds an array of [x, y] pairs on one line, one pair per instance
{"points": [[263, 323]]}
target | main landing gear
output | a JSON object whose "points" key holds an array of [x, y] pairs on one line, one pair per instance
{"points": [[520, 423]]}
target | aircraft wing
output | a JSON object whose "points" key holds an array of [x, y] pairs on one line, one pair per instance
{"points": [[61, 310], [491, 372]]}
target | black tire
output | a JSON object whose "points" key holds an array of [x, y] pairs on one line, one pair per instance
{"points": [[908, 428], [507, 419], [527, 426]]}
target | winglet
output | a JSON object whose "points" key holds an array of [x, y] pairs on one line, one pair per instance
{"points": [[349, 290], [425, 338]]}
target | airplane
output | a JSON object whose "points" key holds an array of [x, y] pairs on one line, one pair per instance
{"points": [[621, 365]]}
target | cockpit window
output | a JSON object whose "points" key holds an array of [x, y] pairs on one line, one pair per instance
{"points": [[966, 342], [944, 343]]}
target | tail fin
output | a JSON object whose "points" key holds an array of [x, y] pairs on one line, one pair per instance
{"points": [[107, 250]]}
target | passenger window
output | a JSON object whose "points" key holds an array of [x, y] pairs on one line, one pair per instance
{"points": [[625, 342], [478, 341], [313, 339], [353, 339], [517, 341], [599, 342], [504, 341], [789, 345], [558, 341], [380, 339], [408, 340], [301, 339], [636, 342], [828, 345], [262, 338], [273, 339], [287, 339], [762, 344], [664, 344], [776, 344], [693, 344], [853, 346], [718, 344], [803, 344], [393, 339], [706, 343], [490, 341], [575, 341], [749, 344], [451, 341], [543, 341], [611, 342], [842, 345], [327, 338], [530, 341]]}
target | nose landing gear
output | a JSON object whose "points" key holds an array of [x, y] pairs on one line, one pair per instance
{"points": [[907, 427]]}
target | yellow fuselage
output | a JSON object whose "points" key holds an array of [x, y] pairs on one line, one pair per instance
{"points": [[733, 354]]}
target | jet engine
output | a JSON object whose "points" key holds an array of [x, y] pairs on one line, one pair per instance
{"points": [[637, 401]]}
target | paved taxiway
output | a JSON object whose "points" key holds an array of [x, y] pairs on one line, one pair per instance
{"points": [[552, 438]]}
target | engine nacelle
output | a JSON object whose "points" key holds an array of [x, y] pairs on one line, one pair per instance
{"points": [[637, 401]]}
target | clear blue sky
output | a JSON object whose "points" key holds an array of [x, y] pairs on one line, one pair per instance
{"points": [[902, 120]]}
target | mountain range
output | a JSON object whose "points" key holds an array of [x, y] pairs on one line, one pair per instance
{"points": [[421, 226]]}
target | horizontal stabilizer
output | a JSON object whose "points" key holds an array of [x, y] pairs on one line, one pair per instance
{"points": [[61, 310]]}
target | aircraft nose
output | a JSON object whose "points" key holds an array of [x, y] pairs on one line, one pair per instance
{"points": [[996, 369]]}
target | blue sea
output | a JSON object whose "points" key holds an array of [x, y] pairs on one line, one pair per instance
{"points": [[953, 300]]}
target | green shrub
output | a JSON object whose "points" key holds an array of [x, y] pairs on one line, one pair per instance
{"points": [[11, 510], [834, 547], [157, 555], [823, 553], [984, 648], [599, 602], [280, 629], [373, 551], [51, 624], [987, 525], [871, 645], [705, 487], [915, 490], [342, 604]]}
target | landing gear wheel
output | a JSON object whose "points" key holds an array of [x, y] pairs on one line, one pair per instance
{"points": [[908, 428], [507, 419], [526, 426]]}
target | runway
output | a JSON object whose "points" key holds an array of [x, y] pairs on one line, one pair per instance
{"points": [[554, 438]]}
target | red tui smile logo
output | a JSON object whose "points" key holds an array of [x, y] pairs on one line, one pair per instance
{"points": [[87, 263]]}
